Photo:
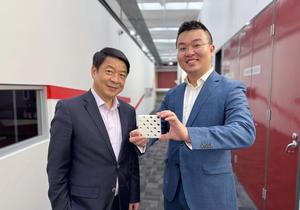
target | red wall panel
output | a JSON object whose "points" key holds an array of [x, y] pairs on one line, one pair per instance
{"points": [[258, 96], [285, 107], [166, 79], [268, 64]]}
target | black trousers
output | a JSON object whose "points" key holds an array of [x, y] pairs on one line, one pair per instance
{"points": [[116, 205]]}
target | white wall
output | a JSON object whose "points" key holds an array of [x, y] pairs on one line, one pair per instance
{"points": [[226, 17], [23, 180], [52, 43]]}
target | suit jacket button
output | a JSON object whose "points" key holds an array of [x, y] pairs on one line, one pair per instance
{"points": [[113, 189], [118, 166]]}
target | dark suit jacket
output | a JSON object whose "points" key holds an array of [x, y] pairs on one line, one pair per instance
{"points": [[82, 168], [220, 120]]}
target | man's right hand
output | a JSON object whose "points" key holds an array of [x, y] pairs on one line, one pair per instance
{"points": [[137, 138]]}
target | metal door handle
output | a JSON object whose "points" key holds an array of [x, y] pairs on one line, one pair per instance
{"points": [[290, 148]]}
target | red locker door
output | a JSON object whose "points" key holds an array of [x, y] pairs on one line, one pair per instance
{"points": [[244, 159], [285, 107], [254, 167], [230, 65]]}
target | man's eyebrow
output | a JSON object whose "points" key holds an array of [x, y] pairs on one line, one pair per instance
{"points": [[195, 40], [111, 66], [114, 68]]}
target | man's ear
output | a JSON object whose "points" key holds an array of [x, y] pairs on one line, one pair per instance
{"points": [[212, 48], [93, 71]]}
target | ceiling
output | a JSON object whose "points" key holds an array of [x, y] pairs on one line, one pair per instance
{"points": [[154, 24]]}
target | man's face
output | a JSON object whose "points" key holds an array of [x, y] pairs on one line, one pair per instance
{"points": [[109, 79], [194, 52]]}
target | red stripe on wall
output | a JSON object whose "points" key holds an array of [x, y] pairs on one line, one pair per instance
{"points": [[57, 92], [125, 99], [140, 101]]}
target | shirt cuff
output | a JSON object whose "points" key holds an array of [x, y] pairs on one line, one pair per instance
{"points": [[142, 149], [189, 145]]}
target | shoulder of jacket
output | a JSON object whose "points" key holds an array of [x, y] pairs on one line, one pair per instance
{"points": [[126, 105], [231, 82], [72, 100], [176, 88]]}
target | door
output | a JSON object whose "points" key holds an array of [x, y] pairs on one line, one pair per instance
{"points": [[259, 100], [285, 108]]}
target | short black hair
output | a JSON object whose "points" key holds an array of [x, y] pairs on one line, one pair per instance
{"points": [[192, 25], [101, 55]]}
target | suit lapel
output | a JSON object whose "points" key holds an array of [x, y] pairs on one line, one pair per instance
{"points": [[124, 126], [92, 109], [209, 85], [179, 105]]}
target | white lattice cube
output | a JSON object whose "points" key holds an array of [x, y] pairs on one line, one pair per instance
{"points": [[149, 125]]}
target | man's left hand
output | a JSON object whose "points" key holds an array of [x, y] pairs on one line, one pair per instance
{"points": [[177, 130]]}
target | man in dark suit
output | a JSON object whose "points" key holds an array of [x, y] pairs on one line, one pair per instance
{"points": [[91, 163], [204, 118]]}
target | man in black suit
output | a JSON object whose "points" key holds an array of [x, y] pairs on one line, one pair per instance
{"points": [[91, 163]]}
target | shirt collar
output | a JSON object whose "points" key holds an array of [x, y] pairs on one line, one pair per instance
{"points": [[100, 101], [201, 79]]}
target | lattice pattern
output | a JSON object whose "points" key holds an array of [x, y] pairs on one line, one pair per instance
{"points": [[149, 125]]}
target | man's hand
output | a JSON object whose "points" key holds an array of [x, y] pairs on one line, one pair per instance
{"points": [[177, 130], [134, 206], [137, 138]]}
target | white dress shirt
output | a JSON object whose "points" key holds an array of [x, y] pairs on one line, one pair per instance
{"points": [[112, 123], [190, 95], [189, 99]]}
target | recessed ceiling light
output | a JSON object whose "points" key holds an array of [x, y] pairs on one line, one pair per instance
{"points": [[144, 48], [132, 32]]}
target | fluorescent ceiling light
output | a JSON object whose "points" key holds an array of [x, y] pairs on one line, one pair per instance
{"points": [[149, 6], [167, 54], [164, 29], [166, 57], [171, 6], [195, 5], [164, 40]]}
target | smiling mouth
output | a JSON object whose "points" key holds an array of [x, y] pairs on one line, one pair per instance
{"points": [[191, 61], [112, 88]]}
